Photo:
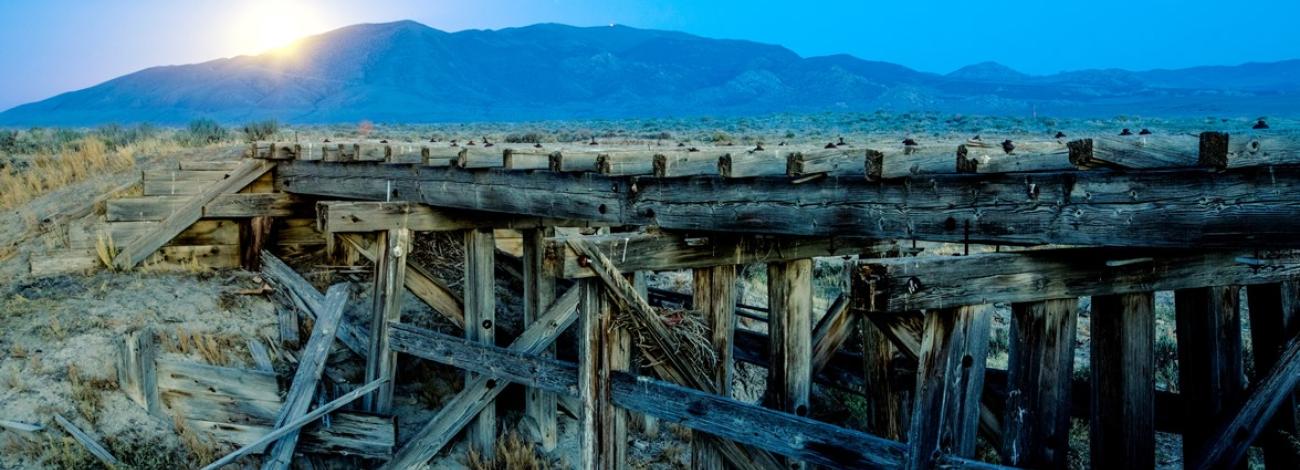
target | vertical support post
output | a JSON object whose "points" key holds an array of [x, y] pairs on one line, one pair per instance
{"points": [[1209, 361], [594, 316], [253, 235], [1122, 412], [539, 294], [392, 247], [888, 394], [714, 294], [1275, 320], [650, 424], [789, 290], [616, 353], [1036, 424], [950, 377], [480, 324]]}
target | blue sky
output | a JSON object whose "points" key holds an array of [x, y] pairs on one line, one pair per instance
{"points": [[53, 46]]}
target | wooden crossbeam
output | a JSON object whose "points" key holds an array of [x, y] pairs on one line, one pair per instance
{"points": [[668, 251], [1167, 208], [1275, 320], [432, 291], [140, 248], [367, 216], [784, 433], [1232, 438], [905, 284], [479, 392]]}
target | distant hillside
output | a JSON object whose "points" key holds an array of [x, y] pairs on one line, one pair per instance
{"points": [[406, 71]]}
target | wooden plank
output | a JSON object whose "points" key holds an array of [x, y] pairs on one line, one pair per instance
{"points": [[1036, 425], [137, 374], [803, 163], [1228, 444], [253, 234], [905, 284], [1165, 208], [626, 163], [348, 434], [205, 380], [310, 301], [287, 321], [88, 442], [457, 412], [186, 176], [1275, 320], [20, 426], [205, 165], [157, 208], [137, 250], [1134, 153], [1209, 363], [261, 357], [751, 164], [297, 231], [407, 153], [1122, 411], [203, 232], [480, 324], [295, 425], [798, 437], [593, 315], [311, 363], [834, 328], [950, 378], [389, 277], [525, 160], [680, 164], [1248, 150], [480, 157], [433, 292], [539, 295], [714, 295], [789, 291], [360, 216], [669, 251], [573, 162]]}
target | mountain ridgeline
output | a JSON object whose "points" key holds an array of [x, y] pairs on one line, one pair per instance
{"points": [[409, 72]]}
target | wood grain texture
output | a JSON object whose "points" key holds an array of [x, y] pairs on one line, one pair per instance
{"points": [[1275, 320], [393, 246], [1122, 368], [539, 295], [1036, 424], [418, 281], [1242, 424], [1209, 362], [480, 324], [714, 295], [950, 378]]}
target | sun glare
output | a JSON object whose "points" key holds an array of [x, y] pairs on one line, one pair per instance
{"points": [[274, 25]]}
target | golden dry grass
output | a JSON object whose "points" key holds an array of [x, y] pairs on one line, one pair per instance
{"points": [[78, 161], [87, 392], [512, 453]]}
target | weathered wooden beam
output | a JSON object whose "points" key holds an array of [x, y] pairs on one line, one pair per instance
{"points": [[295, 424], [680, 164], [950, 378], [1227, 445], [137, 372], [626, 163], [480, 392], [1138, 152], [539, 295], [432, 291], [1036, 422], [804, 163], [1220, 151], [311, 363], [91, 445], [238, 205], [594, 433], [1274, 321], [789, 378], [1123, 401], [480, 322], [904, 284], [784, 433], [834, 328], [752, 163], [365, 216], [714, 295], [1148, 208], [1208, 326], [669, 251], [312, 302], [140, 248]]}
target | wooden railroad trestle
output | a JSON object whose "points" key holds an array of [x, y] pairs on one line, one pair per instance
{"points": [[1115, 221]]}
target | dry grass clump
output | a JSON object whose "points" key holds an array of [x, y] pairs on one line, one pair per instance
{"points": [[216, 349], [200, 449], [88, 392], [62, 452], [106, 249], [79, 160], [512, 453], [688, 329]]}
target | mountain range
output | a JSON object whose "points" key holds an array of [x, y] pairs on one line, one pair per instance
{"points": [[408, 72]]}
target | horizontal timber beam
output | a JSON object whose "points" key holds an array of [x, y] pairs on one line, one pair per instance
{"points": [[926, 282], [1190, 207], [783, 433], [668, 251], [368, 216]]}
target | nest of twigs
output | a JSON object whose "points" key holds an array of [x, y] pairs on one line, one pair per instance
{"points": [[689, 333], [443, 254]]}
